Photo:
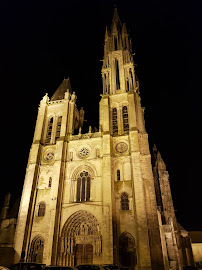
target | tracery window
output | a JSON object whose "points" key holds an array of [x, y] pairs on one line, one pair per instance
{"points": [[114, 121], [58, 128], [36, 250], [125, 119], [83, 187], [41, 209], [124, 201], [49, 130], [118, 175]]}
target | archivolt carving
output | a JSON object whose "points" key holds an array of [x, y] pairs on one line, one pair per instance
{"points": [[80, 228]]}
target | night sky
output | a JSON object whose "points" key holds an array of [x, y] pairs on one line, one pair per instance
{"points": [[43, 42]]}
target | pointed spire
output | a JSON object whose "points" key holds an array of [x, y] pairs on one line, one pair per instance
{"points": [[60, 92], [124, 30], [161, 163], [116, 22], [116, 19], [107, 35], [154, 148]]}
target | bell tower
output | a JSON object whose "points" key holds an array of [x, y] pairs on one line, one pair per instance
{"points": [[129, 161], [57, 119]]}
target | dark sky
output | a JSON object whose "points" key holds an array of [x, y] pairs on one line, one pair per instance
{"points": [[43, 42]]}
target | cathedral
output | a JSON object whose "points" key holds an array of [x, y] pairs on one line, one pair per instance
{"points": [[99, 197]]}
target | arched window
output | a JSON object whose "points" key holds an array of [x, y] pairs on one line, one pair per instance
{"points": [[127, 85], [108, 81], [118, 175], [124, 201], [115, 43], [50, 182], [41, 209], [131, 76], [127, 251], [114, 121], [105, 84], [125, 119], [117, 74], [36, 250], [58, 128], [83, 187], [49, 130]]}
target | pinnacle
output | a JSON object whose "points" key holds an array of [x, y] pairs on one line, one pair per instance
{"points": [[106, 33], [124, 29]]}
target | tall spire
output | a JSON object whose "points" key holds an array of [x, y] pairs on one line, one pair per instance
{"points": [[118, 67], [116, 22]]}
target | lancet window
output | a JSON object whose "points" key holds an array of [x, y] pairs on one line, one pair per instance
{"points": [[114, 121], [58, 128], [124, 201], [115, 43], [108, 84], [36, 250], [118, 175], [50, 182], [131, 76], [125, 119], [127, 85], [41, 209], [105, 84], [117, 74], [83, 187], [49, 130], [127, 251]]}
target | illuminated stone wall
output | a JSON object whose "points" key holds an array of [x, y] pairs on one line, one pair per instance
{"points": [[92, 197]]}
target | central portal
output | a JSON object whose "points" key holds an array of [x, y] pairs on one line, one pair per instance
{"points": [[83, 254], [80, 240]]}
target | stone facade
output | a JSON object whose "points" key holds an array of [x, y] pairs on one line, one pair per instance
{"points": [[93, 197]]}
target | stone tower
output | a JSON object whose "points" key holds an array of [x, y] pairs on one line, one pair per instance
{"points": [[90, 198]]}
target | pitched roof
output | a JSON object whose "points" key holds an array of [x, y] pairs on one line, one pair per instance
{"points": [[60, 92]]}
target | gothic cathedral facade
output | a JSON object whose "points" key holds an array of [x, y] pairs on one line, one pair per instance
{"points": [[93, 198]]}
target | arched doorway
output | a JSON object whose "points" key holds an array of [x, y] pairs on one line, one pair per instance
{"points": [[36, 250], [127, 250], [80, 240]]}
